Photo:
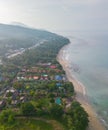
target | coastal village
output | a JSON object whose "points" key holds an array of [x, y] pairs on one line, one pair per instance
{"points": [[33, 84], [45, 80]]}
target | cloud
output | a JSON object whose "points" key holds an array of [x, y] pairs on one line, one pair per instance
{"points": [[59, 14], [80, 2]]}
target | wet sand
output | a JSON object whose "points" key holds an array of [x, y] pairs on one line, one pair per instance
{"points": [[94, 122]]}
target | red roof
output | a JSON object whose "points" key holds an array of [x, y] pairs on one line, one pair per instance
{"points": [[52, 66], [36, 77]]}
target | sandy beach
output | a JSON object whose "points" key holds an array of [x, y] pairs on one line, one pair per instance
{"points": [[81, 95]]}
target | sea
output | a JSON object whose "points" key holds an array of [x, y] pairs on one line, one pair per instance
{"points": [[87, 57]]}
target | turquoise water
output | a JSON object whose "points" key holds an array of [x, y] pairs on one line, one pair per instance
{"points": [[58, 101], [89, 53]]}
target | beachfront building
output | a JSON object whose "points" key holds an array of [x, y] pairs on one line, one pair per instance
{"points": [[58, 78]]}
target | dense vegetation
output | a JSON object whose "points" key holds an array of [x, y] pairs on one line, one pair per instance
{"points": [[47, 52], [40, 101], [16, 37], [9, 122]]}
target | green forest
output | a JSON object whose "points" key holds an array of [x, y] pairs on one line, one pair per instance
{"points": [[35, 92]]}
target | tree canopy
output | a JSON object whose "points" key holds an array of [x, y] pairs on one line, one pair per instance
{"points": [[28, 109]]}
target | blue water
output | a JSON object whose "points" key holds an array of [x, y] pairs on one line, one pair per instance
{"points": [[58, 101], [89, 52]]}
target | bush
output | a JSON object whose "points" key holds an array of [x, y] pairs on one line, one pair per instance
{"points": [[7, 117], [28, 109]]}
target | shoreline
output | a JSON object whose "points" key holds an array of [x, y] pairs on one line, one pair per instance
{"points": [[80, 90]]}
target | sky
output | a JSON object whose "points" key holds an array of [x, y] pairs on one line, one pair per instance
{"points": [[57, 14]]}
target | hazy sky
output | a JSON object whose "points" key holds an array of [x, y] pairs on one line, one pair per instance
{"points": [[57, 14]]}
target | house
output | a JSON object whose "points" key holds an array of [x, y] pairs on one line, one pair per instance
{"points": [[2, 104], [57, 70], [22, 77], [58, 77], [52, 77], [23, 99], [64, 78], [46, 78], [23, 70], [36, 77], [11, 93], [30, 78], [40, 71], [45, 75], [68, 102], [41, 78], [44, 64], [58, 84], [52, 66], [1, 78], [15, 95], [12, 90], [18, 78]]}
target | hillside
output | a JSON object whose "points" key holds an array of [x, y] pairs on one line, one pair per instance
{"points": [[34, 89], [13, 38]]}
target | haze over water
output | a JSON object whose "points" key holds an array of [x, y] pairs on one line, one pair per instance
{"points": [[89, 53]]}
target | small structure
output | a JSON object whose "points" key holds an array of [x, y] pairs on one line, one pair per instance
{"points": [[14, 102], [23, 99], [44, 64], [53, 67], [58, 100], [58, 77], [1, 78], [12, 90], [64, 78], [35, 77], [52, 77], [45, 76], [30, 78], [2, 104], [18, 78]]}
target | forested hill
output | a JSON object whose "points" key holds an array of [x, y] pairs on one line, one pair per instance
{"points": [[33, 84], [13, 37]]}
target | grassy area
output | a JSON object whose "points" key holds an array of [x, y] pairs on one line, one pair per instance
{"points": [[29, 124], [56, 125]]}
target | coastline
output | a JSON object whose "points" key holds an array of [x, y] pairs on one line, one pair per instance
{"points": [[94, 122]]}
